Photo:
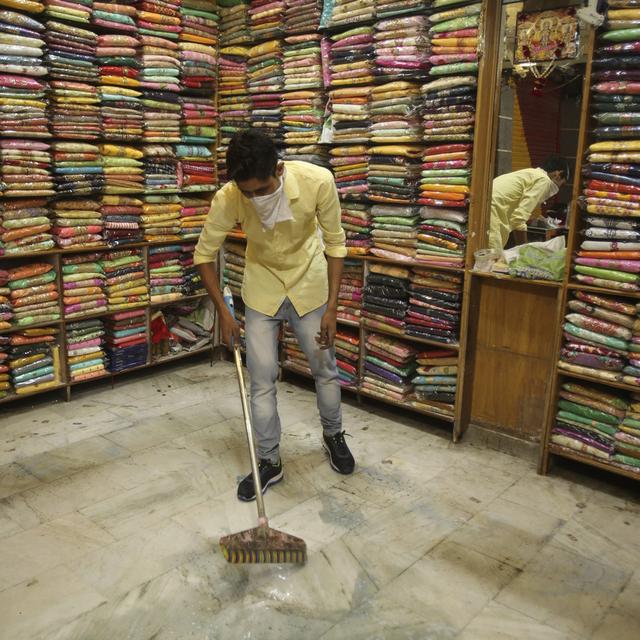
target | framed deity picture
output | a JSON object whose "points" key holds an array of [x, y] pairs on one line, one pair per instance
{"points": [[546, 36]]}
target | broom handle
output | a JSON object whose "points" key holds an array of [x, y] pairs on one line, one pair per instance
{"points": [[257, 484]]}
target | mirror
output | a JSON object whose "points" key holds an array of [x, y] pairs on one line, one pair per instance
{"points": [[540, 92]]}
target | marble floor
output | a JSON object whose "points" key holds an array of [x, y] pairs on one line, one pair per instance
{"points": [[111, 507]]}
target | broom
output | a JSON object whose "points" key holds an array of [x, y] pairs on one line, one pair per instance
{"points": [[261, 544]]}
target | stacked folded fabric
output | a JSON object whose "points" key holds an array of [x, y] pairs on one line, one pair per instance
{"points": [[350, 114], [448, 110], [72, 10], [126, 340], [118, 55], [83, 285], [350, 58], [85, 355], [340, 12], [402, 48], [25, 167], [193, 214], [22, 95], [234, 22], [34, 361], [5, 378], [6, 310], [25, 226], [395, 232], [166, 277], [266, 115], [33, 294], [294, 357], [356, 222], [627, 438], [234, 261], [21, 42], [437, 378], [313, 153], [198, 66], [442, 237], [386, 298], [161, 218], [302, 117], [126, 282], [123, 169], [435, 305], [121, 218], [160, 168], [199, 118], [350, 293], [266, 18], [386, 8], [164, 25], [233, 102], [394, 173], [454, 40], [444, 190], [121, 113], [196, 168], [78, 223], [350, 165], [588, 419], [78, 168], [198, 42], [394, 111], [162, 117], [192, 280], [265, 70], [302, 62], [71, 53], [75, 110], [389, 367], [347, 346], [302, 16], [22, 106], [598, 338]]}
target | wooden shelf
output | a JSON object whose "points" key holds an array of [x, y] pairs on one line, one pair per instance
{"points": [[592, 461], [182, 355], [410, 263], [503, 277], [403, 336], [575, 286], [12, 397], [196, 296], [609, 383], [37, 325], [422, 409]]}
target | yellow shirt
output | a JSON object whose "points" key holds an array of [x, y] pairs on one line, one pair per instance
{"points": [[287, 261], [514, 198]]}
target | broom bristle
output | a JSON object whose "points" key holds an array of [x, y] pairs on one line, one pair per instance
{"points": [[263, 545]]}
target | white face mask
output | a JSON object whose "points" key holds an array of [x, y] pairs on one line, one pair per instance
{"points": [[273, 208], [552, 190]]}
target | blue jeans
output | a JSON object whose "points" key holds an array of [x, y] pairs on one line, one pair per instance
{"points": [[262, 362]]}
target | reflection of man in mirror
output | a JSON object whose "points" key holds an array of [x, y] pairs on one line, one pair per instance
{"points": [[516, 196]]}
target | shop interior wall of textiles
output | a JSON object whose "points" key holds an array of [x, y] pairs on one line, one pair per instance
{"points": [[111, 118], [596, 416]]}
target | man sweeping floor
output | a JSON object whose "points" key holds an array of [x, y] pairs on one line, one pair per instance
{"points": [[280, 206]]}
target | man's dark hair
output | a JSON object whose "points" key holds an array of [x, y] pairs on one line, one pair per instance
{"points": [[557, 163], [251, 154]]}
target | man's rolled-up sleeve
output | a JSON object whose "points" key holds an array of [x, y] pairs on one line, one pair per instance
{"points": [[328, 213], [220, 220]]}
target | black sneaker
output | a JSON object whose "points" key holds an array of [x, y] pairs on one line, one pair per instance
{"points": [[339, 455], [269, 474]]}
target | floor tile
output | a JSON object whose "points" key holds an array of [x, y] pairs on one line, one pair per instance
{"points": [[565, 590]]}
